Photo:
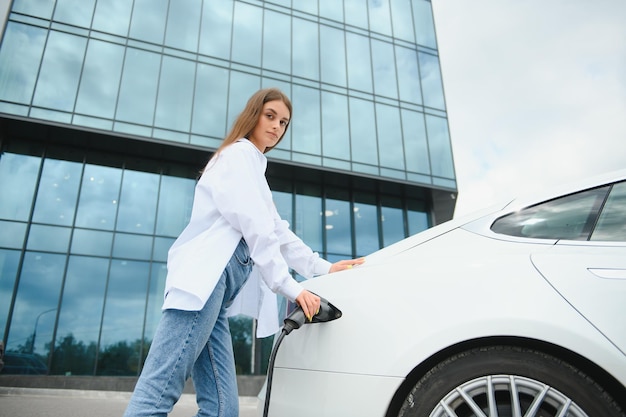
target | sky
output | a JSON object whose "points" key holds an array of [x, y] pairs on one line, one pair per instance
{"points": [[535, 92]]}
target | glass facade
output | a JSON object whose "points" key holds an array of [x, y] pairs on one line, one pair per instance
{"points": [[131, 88]]}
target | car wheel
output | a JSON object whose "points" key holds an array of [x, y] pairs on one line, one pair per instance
{"points": [[507, 381]]}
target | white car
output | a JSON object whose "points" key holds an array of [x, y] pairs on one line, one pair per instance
{"points": [[516, 311]]}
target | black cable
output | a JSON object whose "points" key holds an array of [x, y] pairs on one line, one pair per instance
{"points": [[270, 370]]}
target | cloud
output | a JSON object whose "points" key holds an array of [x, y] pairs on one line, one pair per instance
{"points": [[535, 93]]}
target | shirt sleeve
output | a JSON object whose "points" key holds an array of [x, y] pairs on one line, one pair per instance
{"points": [[237, 184]]}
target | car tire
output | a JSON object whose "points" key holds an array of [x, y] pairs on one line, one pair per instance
{"points": [[468, 379]]}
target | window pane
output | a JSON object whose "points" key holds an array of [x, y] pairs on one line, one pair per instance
{"points": [[384, 69], [389, 136], [148, 22], [408, 75], [417, 217], [439, 145], [99, 196], [8, 270], [39, 8], [175, 202], [90, 242], [432, 87], [570, 217], [365, 225], [79, 319], [338, 228], [60, 71], [132, 246], [402, 20], [122, 325], [335, 127], [100, 81], [161, 247], [424, 26], [277, 42], [48, 238], [173, 109], [247, 34], [392, 221], [359, 62], [306, 126], [330, 9], [18, 177], [36, 303], [217, 20], [356, 13], [183, 25], [308, 221], [20, 55], [138, 202], [612, 222], [112, 16], [242, 86], [77, 13], [363, 131], [12, 235], [415, 146], [58, 190], [284, 205], [305, 49], [139, 86], [209, 111], [305, 6], [332, 55], [379, 17], [155, 301]]}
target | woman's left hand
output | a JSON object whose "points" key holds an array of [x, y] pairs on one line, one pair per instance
{"points": [[346, 264]]}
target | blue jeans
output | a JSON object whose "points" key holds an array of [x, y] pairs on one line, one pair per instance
{"points": [[196, 344]]}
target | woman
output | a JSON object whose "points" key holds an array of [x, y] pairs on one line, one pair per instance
{"points": [[234, 227]]}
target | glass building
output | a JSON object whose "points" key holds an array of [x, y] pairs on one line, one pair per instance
{"points": [[110, 108]]}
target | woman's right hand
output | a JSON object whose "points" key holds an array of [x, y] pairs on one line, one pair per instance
{"points": [[309, 302]]}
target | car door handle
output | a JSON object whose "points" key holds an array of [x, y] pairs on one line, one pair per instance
{"points": [[608, 273]]}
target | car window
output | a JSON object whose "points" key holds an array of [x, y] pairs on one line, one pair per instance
{"points": [[612, 222], [570, 217]]}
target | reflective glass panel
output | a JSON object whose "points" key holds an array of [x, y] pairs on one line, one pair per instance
{"points": [[415, 146], [417, 217], [155, 301], [138, 201], [432, 87], [392, 220], [161, 246], [402, 19], [57, 193], [389, 136], [149, 17], [99, 85], [139, 87], [241, 335], [384, 69], [365, 225], [305, 127], [408, 75], [36, 304], [175, 202], [183, 25], [18, 178], [308, 221], [12, 235], [39, 8], [356, 13], [242, 86], [48, 238], [79, 319], [379, 16], [209, 111], [359, 62], [277, 42], [363, 131], [8, 269], [20, 55], [217, 18], [175, 96], [60, 71], [91, 242], [284, 205], [112, 16], [332, 56], [424, 26], [77, 13], [335, 126], [439, 146], [122, 326], [132, 246], [330, 9], [99, 194], [337, 215], [305, 6], [305, 49], [247, 34], [612, 222]]}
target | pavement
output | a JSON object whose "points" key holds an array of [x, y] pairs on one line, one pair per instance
{"points": [[43, 402]]}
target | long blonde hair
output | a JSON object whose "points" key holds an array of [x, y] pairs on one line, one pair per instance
{"points": [[249, 117]]}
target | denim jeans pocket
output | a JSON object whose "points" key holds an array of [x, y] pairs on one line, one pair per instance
{"points": [[242, 254]]}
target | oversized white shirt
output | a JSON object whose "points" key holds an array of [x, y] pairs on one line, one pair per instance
{"points": [[233, 200]]}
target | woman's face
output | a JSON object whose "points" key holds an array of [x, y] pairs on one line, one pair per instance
{"points": [[271, 125]]}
